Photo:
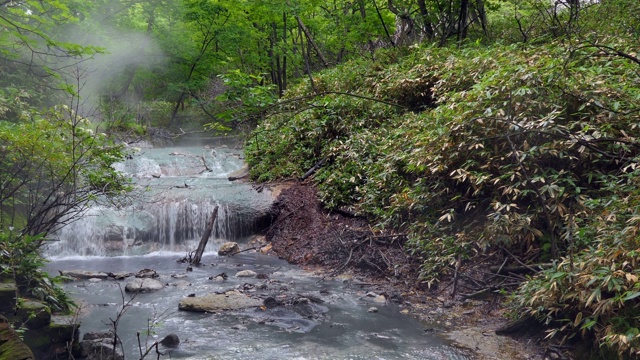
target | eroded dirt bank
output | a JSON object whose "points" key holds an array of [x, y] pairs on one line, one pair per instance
{"points": [[343, 246]]}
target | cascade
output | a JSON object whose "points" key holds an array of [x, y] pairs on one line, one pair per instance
{"points": [[176, 192]]}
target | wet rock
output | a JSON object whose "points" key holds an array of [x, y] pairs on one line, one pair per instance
{"points": [[143, 285], [97, 335], [170, 341], [219, 277], [95, 280], [147, 273], [239, 327], [181, 284], [98, 345], [228, 248], [246, 273], [37, 312], [380, 299], [11, 346], [373, 309], [120, 275], [239, 174], [82, 274], [100, 349], [218, 302]]}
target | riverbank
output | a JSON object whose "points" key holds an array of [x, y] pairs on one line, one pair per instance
{"points": [[342, 246]]}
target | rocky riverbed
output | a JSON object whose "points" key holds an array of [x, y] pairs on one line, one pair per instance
{"points": [[340, 245]]}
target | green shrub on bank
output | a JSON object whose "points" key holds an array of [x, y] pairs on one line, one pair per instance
{"points": [[518, 146]]}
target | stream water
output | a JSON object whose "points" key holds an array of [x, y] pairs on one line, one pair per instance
{"points": [[179, 187]]}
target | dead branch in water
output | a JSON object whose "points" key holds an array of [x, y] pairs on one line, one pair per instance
{"points": [[205, 238]]}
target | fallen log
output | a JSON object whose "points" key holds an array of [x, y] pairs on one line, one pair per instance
{"points": [[205, 238], [519, 269], [313, 169]]}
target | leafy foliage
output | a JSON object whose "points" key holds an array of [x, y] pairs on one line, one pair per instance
{"points": [[529, 147]]}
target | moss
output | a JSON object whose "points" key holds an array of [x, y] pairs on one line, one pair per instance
{"points": [[8, 290], [64, 328], [37, 313], [11, 347]]}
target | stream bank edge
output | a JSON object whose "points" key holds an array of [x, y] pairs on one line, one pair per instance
{"points": [[303, 233]]}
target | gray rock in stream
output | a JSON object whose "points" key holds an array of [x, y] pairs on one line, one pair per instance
{"points": [[83, 274], [99, 346], [218, 302], [143, 285], [228, 248]]}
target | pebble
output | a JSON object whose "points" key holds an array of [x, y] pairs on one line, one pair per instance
{"points": [[373, 309]]}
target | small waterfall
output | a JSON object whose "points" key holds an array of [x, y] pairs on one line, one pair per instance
{"points": [[170, 212]]}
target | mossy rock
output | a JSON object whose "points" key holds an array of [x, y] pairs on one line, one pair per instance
{"points": [[37, 313], [11, 347], [8, 289], [64, 328]]}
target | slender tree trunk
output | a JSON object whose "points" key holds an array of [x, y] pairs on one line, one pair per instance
{"points": [[384, 26], [311, 42], [462, 20], [426, 22], [305, 55], [284, 55], [205, 238]]}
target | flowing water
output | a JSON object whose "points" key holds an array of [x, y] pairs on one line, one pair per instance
{"points": [[179, 189]]}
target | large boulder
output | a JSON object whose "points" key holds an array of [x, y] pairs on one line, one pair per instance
{"points": [[218, 302], [11, 347], [228, 248], [143, 285]]}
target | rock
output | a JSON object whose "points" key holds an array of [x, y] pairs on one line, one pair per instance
{"points": [[120, 275], [147, 273], [228, 248], [93, 280], [373, 309], [239, 327], [100, 349], [11, 346], [170, 341], [8, 291], [37, 313], [82, 274], [246, 273], [380, 299], [239, 174], [217, 302], [143, 285], [271, 302], [181, 284], [98, 335]]}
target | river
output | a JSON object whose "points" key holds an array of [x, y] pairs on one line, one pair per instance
{"points": [[177, 191]]}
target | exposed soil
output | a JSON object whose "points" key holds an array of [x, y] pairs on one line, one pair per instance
{"points": [[337, 245]]}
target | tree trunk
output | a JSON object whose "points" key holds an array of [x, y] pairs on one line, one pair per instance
{"points": [[426, 22], [284, 55], [205, 238], [384, 26], [311, 42], [462, 20]]}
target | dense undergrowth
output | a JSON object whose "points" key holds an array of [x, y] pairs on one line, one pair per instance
{"points": [[531, 147]]}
